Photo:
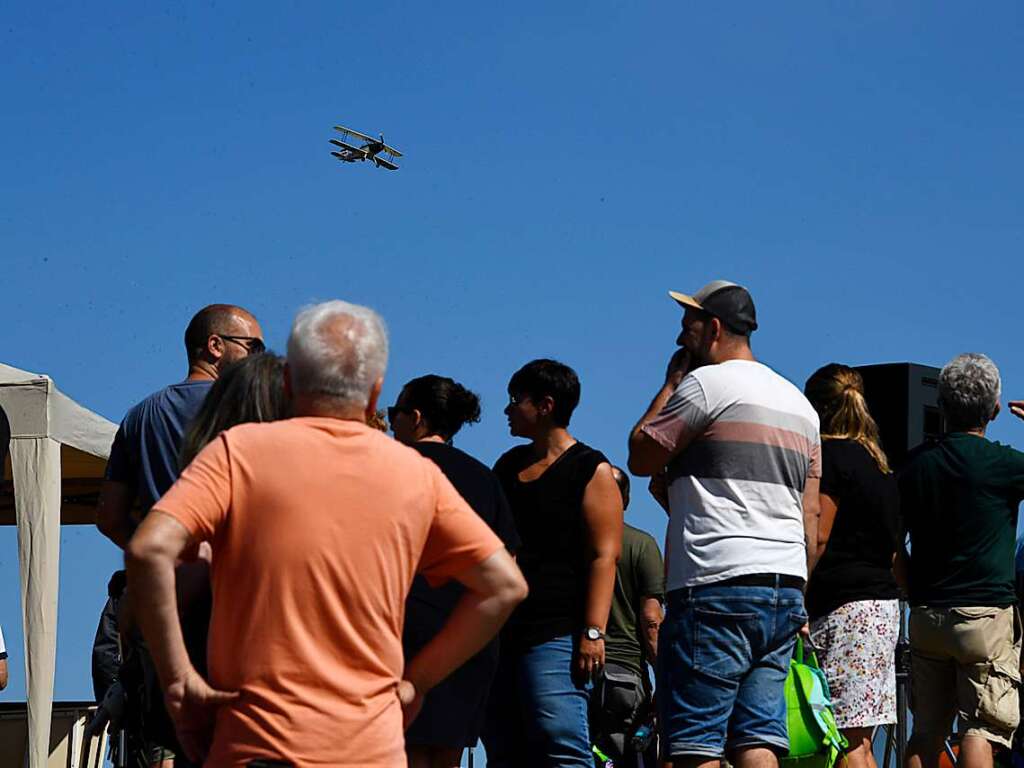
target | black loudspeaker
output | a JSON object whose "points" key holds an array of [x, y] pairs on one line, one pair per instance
{"points": [[904, 400]]}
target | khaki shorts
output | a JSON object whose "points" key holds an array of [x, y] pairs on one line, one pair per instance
{"points": [[965, 663]]}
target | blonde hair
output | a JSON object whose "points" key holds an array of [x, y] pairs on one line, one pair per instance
{"points": [[378, 420], [837, 394]]}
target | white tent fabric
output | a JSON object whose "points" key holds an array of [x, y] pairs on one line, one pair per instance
{"points": [[42, 420]]}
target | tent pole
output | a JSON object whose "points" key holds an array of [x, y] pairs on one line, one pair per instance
{"points": [[35, 464]]}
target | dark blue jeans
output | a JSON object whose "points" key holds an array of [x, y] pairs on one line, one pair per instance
{"points": [[723, 656], [537, 714]]}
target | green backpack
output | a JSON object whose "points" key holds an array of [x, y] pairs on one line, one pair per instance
{"points": [[814, 739]]}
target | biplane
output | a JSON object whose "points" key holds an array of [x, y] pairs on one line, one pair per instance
{"points": [[370, 149]]}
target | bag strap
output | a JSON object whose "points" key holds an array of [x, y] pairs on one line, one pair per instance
{"points": [[808, 656]]}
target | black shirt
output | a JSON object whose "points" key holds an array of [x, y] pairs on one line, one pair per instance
{"points": [[960, 498], [857, 563], [427, 608], [548, 513]]}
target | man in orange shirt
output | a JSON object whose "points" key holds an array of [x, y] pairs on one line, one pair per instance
{"points": [[318, 525]]}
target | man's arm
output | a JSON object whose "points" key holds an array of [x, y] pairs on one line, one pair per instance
{"points": [[651, 615], [150, 557], [493, 588], [1017, 408], [649, 585], [647, 457], [119, 490], [812, 513], [114, 511], [658, 488]]}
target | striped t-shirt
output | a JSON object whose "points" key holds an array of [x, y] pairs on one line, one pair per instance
{"points": [[735, 492]]}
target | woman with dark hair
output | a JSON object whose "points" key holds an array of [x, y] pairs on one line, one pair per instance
{"points": [[250, 390], [568, 511], [852, 597], [430, 410]]}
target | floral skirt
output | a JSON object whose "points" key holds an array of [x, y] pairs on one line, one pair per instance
{"points": [[857, 650]]}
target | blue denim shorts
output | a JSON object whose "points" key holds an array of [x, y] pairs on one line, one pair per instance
{"points": [[723, 656], [537, 713]]}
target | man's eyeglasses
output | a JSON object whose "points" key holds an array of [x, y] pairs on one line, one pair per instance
{"points": [[517, 399], [252, 344], [394, 410]]}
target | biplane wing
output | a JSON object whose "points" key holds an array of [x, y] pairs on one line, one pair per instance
{"points": [[380, 161], [349, 147], [349, 133], [391, 151]]}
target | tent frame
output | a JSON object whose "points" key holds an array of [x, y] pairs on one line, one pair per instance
{"points": [[57, 454]]}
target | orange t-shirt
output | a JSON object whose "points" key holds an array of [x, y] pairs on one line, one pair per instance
{"points": [[317, 526]]}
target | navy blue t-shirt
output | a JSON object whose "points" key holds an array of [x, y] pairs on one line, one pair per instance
{"points": [[148, 442]]}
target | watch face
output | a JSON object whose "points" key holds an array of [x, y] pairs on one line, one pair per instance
{"points": [[593, 634]]}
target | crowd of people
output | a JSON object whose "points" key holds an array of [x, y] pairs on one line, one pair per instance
{"points": [[302, 589]]}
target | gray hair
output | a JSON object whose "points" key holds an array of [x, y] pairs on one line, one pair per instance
{"points": [[337, 349], [969, 390]]}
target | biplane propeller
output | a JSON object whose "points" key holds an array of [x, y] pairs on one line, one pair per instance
{"points": [[370, 149]]}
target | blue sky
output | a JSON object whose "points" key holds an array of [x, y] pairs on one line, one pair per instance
{"points": [[857, 166]]}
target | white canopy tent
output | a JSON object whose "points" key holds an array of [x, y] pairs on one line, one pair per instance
{"points": [[57, 457]]}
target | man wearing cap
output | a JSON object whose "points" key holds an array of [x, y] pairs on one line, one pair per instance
{"points": [[739, 449]]}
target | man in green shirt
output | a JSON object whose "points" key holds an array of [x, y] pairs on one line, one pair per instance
{"points": [[621, 696], [960, 498]]}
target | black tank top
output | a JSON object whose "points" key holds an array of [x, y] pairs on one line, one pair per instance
{"points": [[548, 513]]}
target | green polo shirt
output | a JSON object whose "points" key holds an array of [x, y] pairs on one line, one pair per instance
{"points": [[640, 574], [959, 499]]}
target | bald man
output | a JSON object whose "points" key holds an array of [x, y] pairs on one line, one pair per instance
{"points": [[143, 464], [143, 460], [318, 525]]}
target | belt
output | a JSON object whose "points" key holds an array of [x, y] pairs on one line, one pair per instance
{"points": [[762, 580]]}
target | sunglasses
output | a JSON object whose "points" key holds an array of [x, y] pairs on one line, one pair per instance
{"points": [[394, 410], [253, 344]]}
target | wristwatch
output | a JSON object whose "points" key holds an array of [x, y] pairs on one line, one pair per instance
{"points": [[593, 633]]}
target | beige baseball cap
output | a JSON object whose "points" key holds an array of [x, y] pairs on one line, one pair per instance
{"points": [[729, 302]]}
